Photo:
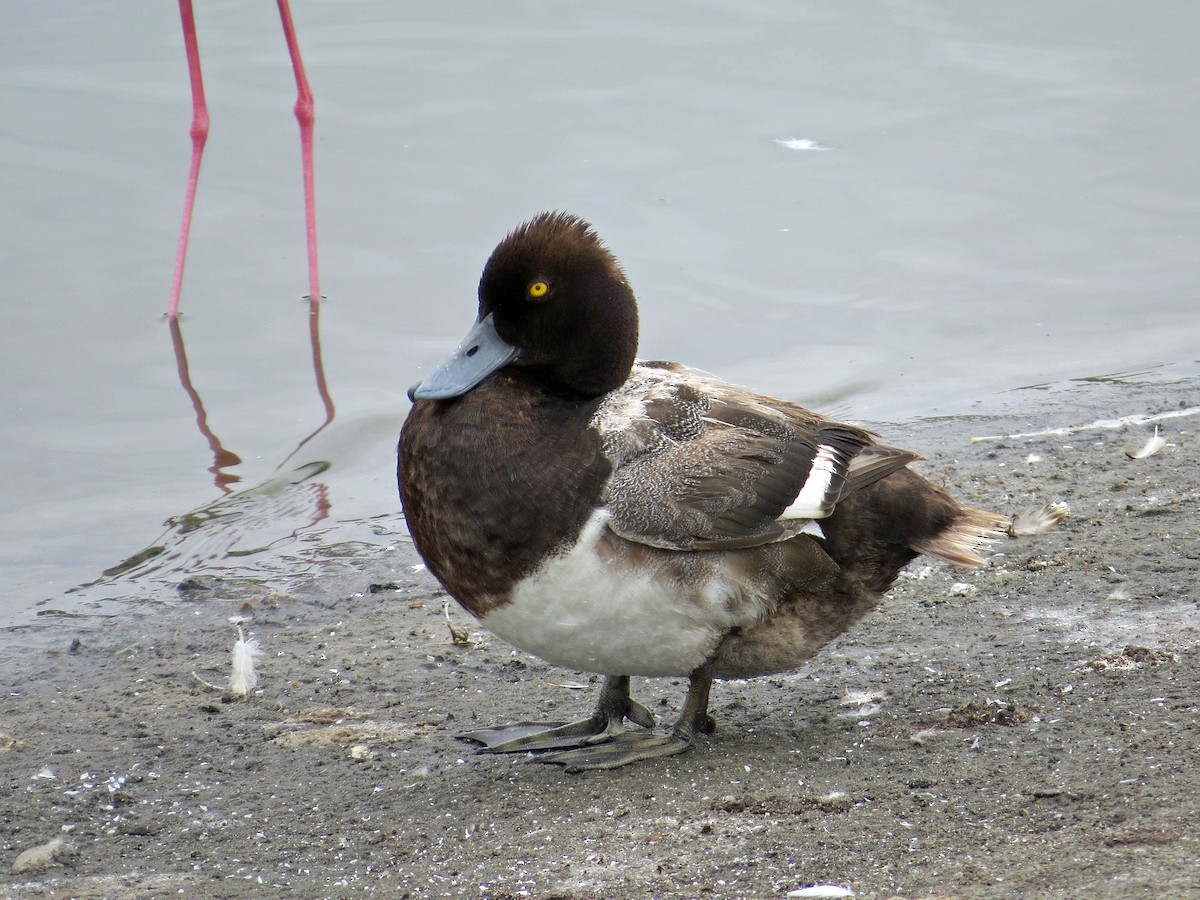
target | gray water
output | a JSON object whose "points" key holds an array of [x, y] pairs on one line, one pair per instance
{"points": [[994, 195]]}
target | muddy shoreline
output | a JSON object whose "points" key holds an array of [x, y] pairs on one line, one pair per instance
{"points": [[1029, 729]]}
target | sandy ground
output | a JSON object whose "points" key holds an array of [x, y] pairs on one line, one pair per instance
{"points": [[1031, 729]]}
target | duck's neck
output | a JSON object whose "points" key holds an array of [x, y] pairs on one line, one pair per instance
{"points": [[518, 472]]}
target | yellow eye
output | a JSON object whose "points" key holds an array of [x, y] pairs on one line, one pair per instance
{"points": [[538, 290]]}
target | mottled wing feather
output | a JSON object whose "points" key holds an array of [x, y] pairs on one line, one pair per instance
{"points": [[701, 465]]}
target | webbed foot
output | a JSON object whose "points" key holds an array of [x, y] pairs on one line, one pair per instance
{"points": [[620, 750], [605, 724], [623, 749]]}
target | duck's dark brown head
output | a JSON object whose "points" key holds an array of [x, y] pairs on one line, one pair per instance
{"points": [[554, 302]]}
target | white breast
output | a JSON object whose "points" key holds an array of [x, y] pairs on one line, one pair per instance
{"points": [[582, 611]]}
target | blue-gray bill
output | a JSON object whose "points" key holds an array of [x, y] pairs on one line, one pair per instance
{"points": [[480, 354]]}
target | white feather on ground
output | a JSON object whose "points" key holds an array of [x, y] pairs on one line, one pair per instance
{"points": [[1040, 520], [1152, 446], [245, 653]]}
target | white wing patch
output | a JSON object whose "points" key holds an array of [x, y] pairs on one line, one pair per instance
{"points": [[811, 502], [813, 528]]}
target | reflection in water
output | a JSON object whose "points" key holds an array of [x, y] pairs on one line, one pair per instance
{"points": [[244, 523], [247, 522], [222, 458], [314, 334]]}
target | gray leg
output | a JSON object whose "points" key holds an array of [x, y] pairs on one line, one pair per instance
{"points": [[631, 747]]}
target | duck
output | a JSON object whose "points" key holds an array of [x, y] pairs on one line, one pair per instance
{"points": [[642, 518]]}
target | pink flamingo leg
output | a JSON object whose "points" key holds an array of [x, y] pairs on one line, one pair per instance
{"points": [[199, 132], [306, 117]]}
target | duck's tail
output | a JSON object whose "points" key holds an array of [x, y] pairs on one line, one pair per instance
{"points": [[973, 531], [963, 541]]}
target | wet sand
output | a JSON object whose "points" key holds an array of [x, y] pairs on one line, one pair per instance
{"points": [[1030, 729]]}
